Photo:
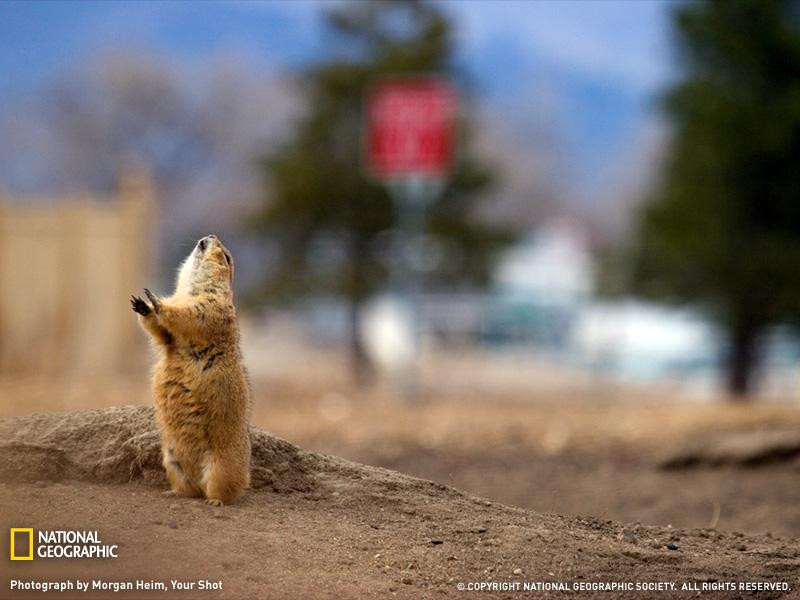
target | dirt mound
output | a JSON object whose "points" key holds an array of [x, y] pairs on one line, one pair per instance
{"points": [[317, 526], [122, 444], [737, 448]]}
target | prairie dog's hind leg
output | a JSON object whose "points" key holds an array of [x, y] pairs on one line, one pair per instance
{"points": [[178, 483], [222, 483]]}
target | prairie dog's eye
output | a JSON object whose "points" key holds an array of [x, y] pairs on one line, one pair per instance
{"points": [[202, 244], [228, 259]]}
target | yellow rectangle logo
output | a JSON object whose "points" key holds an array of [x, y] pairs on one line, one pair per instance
{"points": [[14, 532]]}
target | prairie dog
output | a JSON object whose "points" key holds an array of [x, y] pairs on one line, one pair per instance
{"points": [[200, 388]]}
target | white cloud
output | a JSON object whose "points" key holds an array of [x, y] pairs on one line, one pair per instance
{"points": [[625, 43]]}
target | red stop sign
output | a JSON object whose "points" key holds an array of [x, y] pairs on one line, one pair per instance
{"points": [[410, 125]]}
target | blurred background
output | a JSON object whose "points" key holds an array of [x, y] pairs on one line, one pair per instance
{"points": [[607, 278]]}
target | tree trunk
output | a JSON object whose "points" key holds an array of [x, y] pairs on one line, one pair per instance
{"points": [[742, 360]]}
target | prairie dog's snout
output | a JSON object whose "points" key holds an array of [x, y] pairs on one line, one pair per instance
{"points": [[206, 242], [208, 264]]}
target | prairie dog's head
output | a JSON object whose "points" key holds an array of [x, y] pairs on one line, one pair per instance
{"points": [[208, 269]]}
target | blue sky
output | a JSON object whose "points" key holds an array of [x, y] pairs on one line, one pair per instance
{"points": [[591, 71]]}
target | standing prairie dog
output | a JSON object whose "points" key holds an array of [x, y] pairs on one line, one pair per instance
{"points": [[201, 392]]}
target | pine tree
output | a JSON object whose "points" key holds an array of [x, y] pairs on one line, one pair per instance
{"points": [[326, 216], [723, 227]]}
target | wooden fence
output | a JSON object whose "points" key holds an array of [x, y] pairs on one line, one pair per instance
{"points": [[67, 268]]}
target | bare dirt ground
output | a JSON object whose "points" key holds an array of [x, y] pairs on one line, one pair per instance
{"points": [[345, 530], [316, 526], [575, 458]]}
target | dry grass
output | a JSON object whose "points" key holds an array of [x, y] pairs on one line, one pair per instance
{"points": [[335, 418], [527, 436], [471, 402]]}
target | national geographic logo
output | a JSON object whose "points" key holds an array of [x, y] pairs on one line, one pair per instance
{"points": [[23, 550], [58, 544]]}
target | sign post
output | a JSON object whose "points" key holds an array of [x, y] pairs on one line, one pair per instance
{"points": [[410, 145]]}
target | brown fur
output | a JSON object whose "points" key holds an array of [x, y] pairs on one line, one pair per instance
{"points": [[201, 392]]}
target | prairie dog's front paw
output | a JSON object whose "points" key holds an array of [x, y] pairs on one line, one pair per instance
{"points": [[153, 300], [140, 306], [213, 502]]}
